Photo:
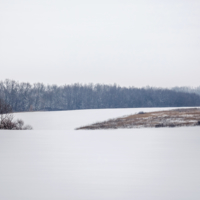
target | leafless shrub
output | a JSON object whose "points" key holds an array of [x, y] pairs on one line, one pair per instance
{"points": [[159, 125], [172, 125], [141, 112], [198, 123], [6, 119], [8, 123]]}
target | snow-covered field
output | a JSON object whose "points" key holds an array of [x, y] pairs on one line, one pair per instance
{"points": [[55, 162]]}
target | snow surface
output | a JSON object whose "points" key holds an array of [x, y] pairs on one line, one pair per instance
{"points": [[124, 164]]}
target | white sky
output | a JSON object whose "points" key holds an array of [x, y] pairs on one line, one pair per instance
{"points": [[154, 43]]}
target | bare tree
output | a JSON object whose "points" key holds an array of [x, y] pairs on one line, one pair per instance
{"points": [[5, 115]]}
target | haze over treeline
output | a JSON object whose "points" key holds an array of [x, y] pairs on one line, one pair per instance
{"points": [[39, 97], [195, 90]]}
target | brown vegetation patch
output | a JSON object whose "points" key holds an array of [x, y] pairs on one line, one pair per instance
{"points": [[170, 118]]}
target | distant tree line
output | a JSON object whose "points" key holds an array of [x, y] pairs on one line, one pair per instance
{"points": [[40, 97], [195, 90]]}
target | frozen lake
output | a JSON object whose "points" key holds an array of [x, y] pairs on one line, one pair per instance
{"points": [[69, 120], [139, 164]]}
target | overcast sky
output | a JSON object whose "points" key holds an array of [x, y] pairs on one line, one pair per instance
{"points": [[131, 43]]}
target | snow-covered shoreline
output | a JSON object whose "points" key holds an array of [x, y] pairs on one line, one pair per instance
{"points": [[71, 119]]}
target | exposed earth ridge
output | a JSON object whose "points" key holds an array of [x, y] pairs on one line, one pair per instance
{"points": [[170, 118]]}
